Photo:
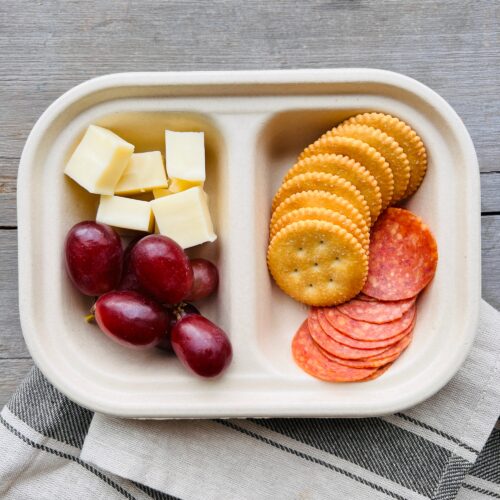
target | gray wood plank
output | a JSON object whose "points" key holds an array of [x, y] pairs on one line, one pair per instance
{"points": [[490, 192], [12, 372], [490, 230], [8, 174], [48, 47]]}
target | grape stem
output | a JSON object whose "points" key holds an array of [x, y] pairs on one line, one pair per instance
{"points": [[178, 309], [90, 318]]}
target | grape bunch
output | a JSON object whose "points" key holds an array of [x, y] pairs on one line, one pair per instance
{"points": [[144, 294]]}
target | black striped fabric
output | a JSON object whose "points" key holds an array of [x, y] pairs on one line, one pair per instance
{"points": [[375, 445], [487, 465], [37, 403], [391, 452], [69, 457]]}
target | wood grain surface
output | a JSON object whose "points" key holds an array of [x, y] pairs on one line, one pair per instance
{"points": [[46, 47]]}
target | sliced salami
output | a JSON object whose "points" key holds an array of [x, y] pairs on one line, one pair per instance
{"points": [[403, 256], [308, 357], [365, 298], [389, 355], [376, 312], [332, 346], [377, 373], [361, 330], [361, 363], [342, 338]]}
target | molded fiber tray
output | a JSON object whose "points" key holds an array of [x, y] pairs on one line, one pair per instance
{"points": [[255, 124]]}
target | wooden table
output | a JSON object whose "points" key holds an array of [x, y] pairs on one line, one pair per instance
{"points": [[47, 47]]}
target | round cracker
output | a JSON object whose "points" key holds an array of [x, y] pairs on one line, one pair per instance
{"points": [[347, 168], [387, 147], [326, 215], [320, 199], [406, 137], [312, 181], [361, 152], [317, 262]]}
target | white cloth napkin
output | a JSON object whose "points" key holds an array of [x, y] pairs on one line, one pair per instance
{"points": [[49, 450]]}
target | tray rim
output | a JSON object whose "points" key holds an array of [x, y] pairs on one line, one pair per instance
{"points": [[252, 77]]}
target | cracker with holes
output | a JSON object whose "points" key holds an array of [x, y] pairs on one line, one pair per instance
{"points": [[349, 170], [361, 152], [317, 262], [322, 214], [320, 199], [334, 184], [406, 137]]}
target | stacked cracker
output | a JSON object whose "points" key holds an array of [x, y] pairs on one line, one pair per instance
{"points": [[329, 200]]}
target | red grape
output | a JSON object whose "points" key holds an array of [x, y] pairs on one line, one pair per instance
{"points": [[177, 313], [201, 346], [205, 279], [129, 279], [162, 268], [94, 257], [131, 319]]}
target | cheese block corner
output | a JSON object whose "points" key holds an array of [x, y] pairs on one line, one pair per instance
{"points": [[184, 217], [126, 213], [144, 172], [185, 155], [99, 160]]}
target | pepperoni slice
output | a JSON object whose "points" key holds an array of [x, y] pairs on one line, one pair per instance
{"points": [[308, 357], [365, 298], [403, 256], [390, 354], [378, 373], [361, 363], [376, 312], [342, 338], [332, 346], [361, 330]]}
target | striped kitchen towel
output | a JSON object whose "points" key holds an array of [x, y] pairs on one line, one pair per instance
{"points": [[444, 448]]}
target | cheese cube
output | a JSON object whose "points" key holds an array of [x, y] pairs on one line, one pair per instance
{"points": [[159, 193], [125, 212], [185, 155], [99, 160], [175, 186], [144, 172], [178, 185], [184, 217]]}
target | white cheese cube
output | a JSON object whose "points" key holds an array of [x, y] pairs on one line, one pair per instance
{"points": [[184, 217], [185, 155], [144, 172], [178, 185], [175, 186], [99, 160], [160, 193], [126, 213]]}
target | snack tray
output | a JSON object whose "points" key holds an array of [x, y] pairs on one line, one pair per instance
{"points": [[255, 124]]}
